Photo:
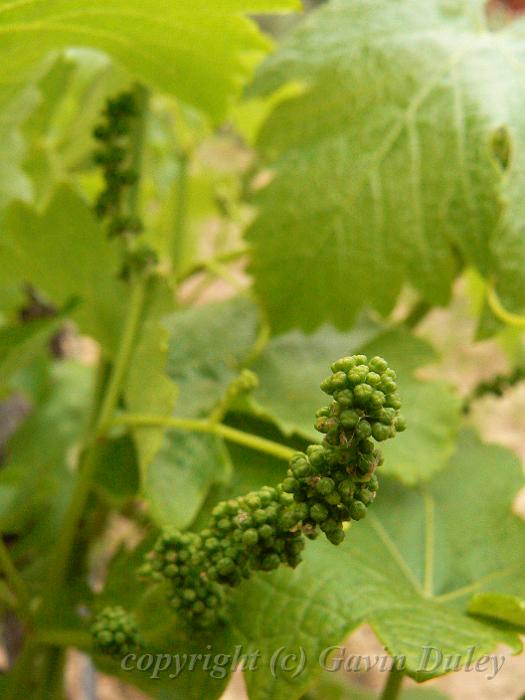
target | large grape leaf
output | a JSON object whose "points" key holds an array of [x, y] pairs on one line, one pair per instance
{"points": [[37, 476], [408, 570], [177, 468], [333, 686], [208, 346], [291, 367], [402, 155], [14, 183], [148, 389], [65, 254], [200, 51], [432, 410], [21, 342]]}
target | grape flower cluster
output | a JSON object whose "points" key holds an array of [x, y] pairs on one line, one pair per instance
{"points": [[115, 632], [115, 136], [330, 484], [114, 157]]}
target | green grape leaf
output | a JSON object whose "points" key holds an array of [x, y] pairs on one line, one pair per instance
{"points": [[291, 367], [208, 345], [64, 253], [402, 153], [332, 686], [21, 342], [177, 469], [162, 634], [72, 92], [409, 570], [149, 390], [213, 54], [178, 479], [37, 476], [14, 182], [432, 410], [117, 471], [499, 606]]}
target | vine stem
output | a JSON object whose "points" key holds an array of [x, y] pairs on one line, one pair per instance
{"points": [[14, 580], [497, 308], [88, 459], [204, 426], [64, 638], [99, 423], [179, 238], [221, 258], [111, 392], [392, 689]]}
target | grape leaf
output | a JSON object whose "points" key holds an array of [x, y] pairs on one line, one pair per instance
{"points": [[64, 253], [14, 183], [20, 343], [37, 477], [333, 686], [291, 367], [200, 51], [177, 469], [162, 634], [149, 390], [207, 348], [72, 91], [117, 470], [408, 570], [402, 154], [498, 606], [432, 410], [179, 478]]}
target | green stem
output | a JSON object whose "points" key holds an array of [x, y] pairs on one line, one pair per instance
{"points": [[14, 580], [52, 672], [105, 403], [64, 638], [179, 243], [221, 258], [196, 425], [88, 460], [417, 314], [120, 368], [392, 689], [497, 308], [111, 395], [224, 273], [20, 675]]}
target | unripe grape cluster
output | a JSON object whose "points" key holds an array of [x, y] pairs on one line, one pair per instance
{"points": [[115, 632], [114, 158], [328, 485], [497, 386]]}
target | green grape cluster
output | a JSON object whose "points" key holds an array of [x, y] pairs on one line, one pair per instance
{"points": [[336, 480], [328, 485], [496, 386], [115, 632], [114, 157]]}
